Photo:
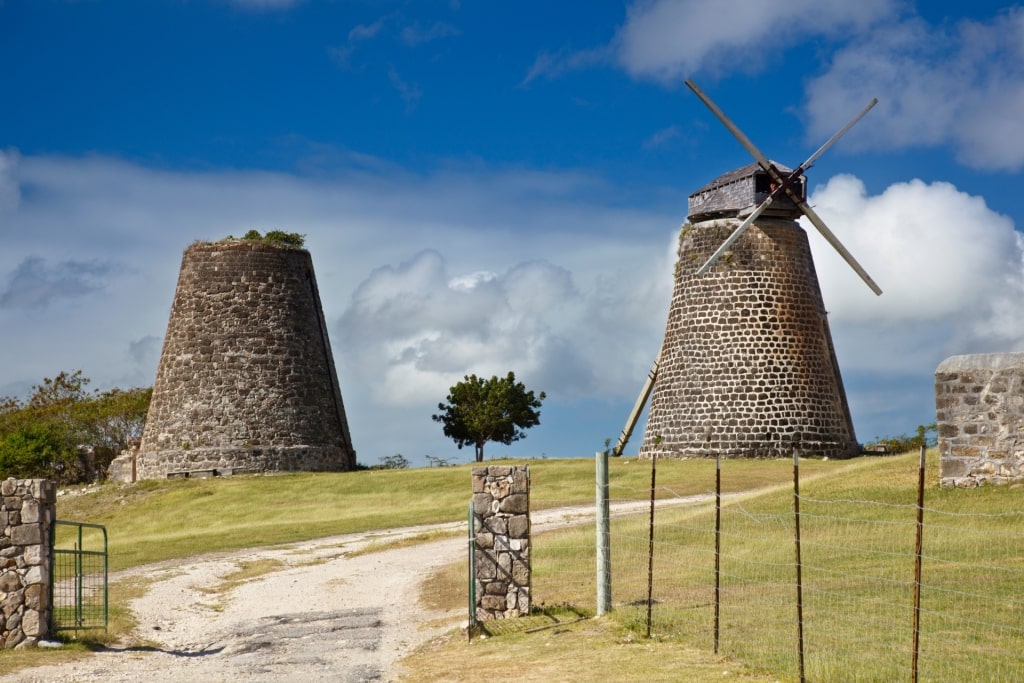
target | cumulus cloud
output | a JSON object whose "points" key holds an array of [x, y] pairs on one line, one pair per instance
{"points": [[952, 271], [961, 85], [414, 329]]}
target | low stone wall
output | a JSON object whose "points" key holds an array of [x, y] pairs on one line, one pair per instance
{"points": [[27, 511], [979, 402], [501, 525]]}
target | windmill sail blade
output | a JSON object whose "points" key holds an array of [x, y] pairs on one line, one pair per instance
{"points": [[733, 128], [735, 235], [836, 244], [835, 138], [763, 161]]}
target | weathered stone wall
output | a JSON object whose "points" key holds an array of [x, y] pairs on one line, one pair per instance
{"points": [[246, 379], [747, 367], [501, 525], [27, 512], [979, 406]]}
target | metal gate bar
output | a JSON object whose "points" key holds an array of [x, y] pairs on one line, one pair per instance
{"points": [[78, 583]]}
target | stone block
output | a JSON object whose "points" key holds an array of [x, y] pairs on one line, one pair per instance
{"points": [[10, 580], [950, 468], [521, 480], [30, 511], [482, 503], [516, 504], [493, 602], [32, 624]]}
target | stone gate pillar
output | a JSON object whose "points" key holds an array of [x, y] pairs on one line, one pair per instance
{"points": [[27, 510], [501, 525]]}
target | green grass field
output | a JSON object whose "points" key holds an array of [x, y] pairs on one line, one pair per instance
{"points": [[856, 542]]}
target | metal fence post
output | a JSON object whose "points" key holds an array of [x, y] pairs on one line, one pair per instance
{"points": [[472, 574], [604, 555], [918, 542]]}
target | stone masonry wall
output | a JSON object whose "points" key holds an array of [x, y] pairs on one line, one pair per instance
{"points": [[501, 525], [27, 512], [979, 405], [246, 379], [747, 367]]}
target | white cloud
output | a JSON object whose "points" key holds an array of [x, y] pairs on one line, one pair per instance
{"points": [[555, 64], [952, 271], [261, 5], [423, 277], [35, 284], [668, 40], [413, 35], [961, 85], [361, 32], [413, 330], [409, 92], [662, 137], [426, 277]]}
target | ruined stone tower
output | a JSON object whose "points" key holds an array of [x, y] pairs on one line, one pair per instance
{"points": [[747, 367], [246, 380]]}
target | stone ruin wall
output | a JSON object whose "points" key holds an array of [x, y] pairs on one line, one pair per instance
{"points": [[27, 513], [501, 526], [246, 380], [979, 406], [747, 367]]}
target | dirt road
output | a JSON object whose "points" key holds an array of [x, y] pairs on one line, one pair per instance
{"points": [[329, 614]]}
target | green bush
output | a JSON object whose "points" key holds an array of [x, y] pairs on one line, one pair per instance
{"points": [[292, 239], [904, 443], [66, 433]]}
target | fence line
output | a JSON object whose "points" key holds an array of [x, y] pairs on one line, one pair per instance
{"points": [[868, 613]]}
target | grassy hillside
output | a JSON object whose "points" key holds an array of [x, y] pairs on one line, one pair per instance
{"points": [[159, 520], [858, 537]]}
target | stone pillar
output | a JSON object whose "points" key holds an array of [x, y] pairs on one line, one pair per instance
{"points": [[979, 407], [501, 524], [27, 510], [246, 380]]}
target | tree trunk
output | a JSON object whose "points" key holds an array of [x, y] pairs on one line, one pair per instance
{"points": [[480, 451]]}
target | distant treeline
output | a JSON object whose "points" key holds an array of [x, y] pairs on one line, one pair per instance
{"points": [[65, 432]]}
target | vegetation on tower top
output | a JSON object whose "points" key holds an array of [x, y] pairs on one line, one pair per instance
{"points": [[278, 237]]}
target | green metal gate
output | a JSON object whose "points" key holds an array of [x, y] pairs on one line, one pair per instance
{"points": [[78, 581]]}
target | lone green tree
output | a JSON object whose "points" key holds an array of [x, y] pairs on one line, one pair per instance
{"points": [[495, 409]]}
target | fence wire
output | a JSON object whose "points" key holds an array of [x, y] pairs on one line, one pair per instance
{"points": [[858, 579]]}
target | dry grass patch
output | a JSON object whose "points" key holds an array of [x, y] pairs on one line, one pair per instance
{"points": [[588, 650], [384, 543]]}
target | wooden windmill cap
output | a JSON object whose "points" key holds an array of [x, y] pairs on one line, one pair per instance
{"points": [[738, 192]]}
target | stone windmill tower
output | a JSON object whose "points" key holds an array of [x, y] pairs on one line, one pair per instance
{"points": [[246, 380], [747, 367]]}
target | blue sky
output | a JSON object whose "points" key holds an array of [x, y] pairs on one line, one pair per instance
{"points": [[489, 188]]}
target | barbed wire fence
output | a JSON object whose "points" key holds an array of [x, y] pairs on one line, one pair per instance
{"points": [[849, 589]]}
